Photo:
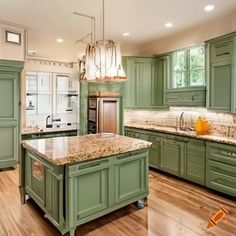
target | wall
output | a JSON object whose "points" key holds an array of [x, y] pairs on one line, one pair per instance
{"points": [[10, 51], [193, 36]]}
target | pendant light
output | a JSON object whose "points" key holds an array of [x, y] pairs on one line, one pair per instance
{"points": [[103, 59]]}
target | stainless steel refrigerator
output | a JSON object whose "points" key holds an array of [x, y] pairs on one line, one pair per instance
{"points": [[103, 114]]}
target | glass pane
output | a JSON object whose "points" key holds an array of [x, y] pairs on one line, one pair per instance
{"points": [[197, 77], [197, 58], [179, 79], [179, 61]]}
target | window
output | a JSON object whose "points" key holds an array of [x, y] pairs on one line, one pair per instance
{"points": [[188, 68]]}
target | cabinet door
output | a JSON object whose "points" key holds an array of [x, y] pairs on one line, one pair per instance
{"points": [[8, 144], [221, 168], [35, 179], [141, 84], [9, 96], [87, 189], [172, 157], [222, 50], [195, 161], [130, 177], [155, 151], [220, 86]]}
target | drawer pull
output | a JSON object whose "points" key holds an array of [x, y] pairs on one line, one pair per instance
{"points": [[228, 153], [221, 54], [92, 165]]}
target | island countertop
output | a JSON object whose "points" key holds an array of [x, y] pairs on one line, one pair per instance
{"points": [[68, 150]]}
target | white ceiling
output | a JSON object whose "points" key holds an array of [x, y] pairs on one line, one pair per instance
{"points": [[144, 19]]}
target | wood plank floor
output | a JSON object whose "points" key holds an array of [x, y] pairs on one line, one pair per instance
{"points": [[174, 208]]}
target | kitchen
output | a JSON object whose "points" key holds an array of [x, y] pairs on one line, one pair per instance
{"points": [[174, 80]]}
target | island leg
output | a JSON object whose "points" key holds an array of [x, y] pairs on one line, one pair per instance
{"points": [[140, 204]]}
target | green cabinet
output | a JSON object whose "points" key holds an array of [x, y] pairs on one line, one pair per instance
{"points": [[186, 97], [172, 156], [143, 88], [180, 156], [154, 151], [9, 112], [195, 161], [221, 168], [129, 180], [44, 183], [73, 194], [221, 74], [88, 189]]}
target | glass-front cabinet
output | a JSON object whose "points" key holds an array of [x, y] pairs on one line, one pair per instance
{"points": [[66, 94], [51, 94]]}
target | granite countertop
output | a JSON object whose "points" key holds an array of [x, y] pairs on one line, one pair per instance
{"points": [[191, 134], [67, 150], [40, 130]]}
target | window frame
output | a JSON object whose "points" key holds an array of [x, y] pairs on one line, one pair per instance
{"points": [[188, 70]]}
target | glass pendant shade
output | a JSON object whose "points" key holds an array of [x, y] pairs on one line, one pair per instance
{"points": [[103, 62]]}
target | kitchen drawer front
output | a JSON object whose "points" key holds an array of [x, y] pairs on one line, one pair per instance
{"points": [[222, 50], [222, 153], [221, 177]]}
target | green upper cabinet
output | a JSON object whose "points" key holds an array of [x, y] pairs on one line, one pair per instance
{"points": [[9, 112], [221, 56], [143, 87]]}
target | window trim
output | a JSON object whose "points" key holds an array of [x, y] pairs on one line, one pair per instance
{"points": [[187, 72]]}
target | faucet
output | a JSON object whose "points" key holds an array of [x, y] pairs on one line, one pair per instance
{"points": [[181, 121], [47, 122]]}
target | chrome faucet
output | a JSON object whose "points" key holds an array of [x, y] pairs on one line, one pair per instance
{"points": [[48, 125]]}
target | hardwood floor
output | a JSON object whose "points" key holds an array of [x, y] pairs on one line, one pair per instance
{"points": [[174, 208]]}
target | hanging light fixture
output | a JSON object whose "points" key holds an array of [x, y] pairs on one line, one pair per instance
{"points": [[103, 59]]}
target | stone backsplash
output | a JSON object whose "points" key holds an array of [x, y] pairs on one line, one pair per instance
{"points": [[222, 124]]}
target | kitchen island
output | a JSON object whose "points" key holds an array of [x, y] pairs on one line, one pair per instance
{"points": [[77, 179]]}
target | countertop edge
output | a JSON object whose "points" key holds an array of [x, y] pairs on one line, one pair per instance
{"points": [[210, 138]]}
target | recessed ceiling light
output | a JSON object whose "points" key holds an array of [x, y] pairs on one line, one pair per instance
{"points": [[209, 7], [168, 24], [60, 40], [125, 34]]}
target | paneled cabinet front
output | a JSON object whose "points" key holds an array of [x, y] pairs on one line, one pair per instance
{"points": [[9, 109], [142, 86], [221, 168], [172, 156], [221, 58], [180, 156]]}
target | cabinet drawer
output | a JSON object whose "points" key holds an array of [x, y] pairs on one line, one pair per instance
{"points": [[223, 154], [221, 177], [221, 50]]}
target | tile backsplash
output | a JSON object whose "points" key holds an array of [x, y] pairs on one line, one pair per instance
{"points": [[223, 124]]}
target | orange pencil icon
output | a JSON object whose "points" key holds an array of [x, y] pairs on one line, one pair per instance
{"points": [[217, 217]]}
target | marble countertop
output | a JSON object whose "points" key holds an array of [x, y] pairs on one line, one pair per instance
{"points": [[40, 130], [191, 134], [67, 150]]}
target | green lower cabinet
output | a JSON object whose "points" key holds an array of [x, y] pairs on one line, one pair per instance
{"points": [[71, 195], [8, 144], [87, 190], [172, 156], [129, 180], [221, 168], [195, 161], [181, 156], [154, 151]]}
